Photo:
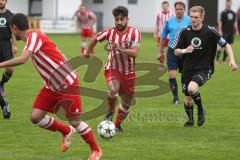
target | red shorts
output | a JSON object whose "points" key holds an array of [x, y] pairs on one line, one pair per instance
{"points": [[86, 32], [67, 104], [127, 81]]}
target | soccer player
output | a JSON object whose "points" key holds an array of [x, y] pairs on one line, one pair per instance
{"points": [[162, 17], [171, 28], [124, 43], [197, 45], [48, 61], [7, 49], [226, 27], [86, 20]]}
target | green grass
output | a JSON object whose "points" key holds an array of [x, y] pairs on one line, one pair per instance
{"points": [[144, 138]]}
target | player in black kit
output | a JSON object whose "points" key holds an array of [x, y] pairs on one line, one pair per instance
{"points": [[196, 44], [7, 49], [227, 26]]}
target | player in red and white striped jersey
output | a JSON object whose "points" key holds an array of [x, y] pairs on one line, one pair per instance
{"points": [[86, 20], [59, 78], [161, 19], [123, 47]]}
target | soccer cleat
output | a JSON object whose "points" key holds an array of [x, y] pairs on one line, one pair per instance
{"points": [[95, 155], [201, 118], [6, 111], [118, 129], [66, 141], [189, 123], [2, 92], [109, 116]]}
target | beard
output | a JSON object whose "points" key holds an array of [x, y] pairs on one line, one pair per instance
{"points": [[121, 27], [2, 6], [18, 38]]}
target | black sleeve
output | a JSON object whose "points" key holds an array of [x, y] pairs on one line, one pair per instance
{"points": [[217, 37], [179, 40], [222, 16]]}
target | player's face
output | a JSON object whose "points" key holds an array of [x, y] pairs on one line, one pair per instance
{"points": [[196, 19], [82, 10], [3, 4], [229, 5], [121, 22], [165, 7], [179, 11]]}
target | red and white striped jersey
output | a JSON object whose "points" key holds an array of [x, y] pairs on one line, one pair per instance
{"points": [[85, 19], [49, 61], [129, 39], [161, 19]]}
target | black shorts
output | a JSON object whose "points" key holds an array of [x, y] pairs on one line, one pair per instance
{"points": [[229, 38], [173, 61], [5, 50], [200, 77]]}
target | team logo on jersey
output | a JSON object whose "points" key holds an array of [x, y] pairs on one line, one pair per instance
{"points": [[230, 16], [196, 43], [3, 22]]}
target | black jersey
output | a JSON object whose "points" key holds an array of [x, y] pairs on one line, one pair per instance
{"points": [[5, 30], [228, 18], [204, 42]]}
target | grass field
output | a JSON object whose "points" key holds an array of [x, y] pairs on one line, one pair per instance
{"points": [[160, 138]]}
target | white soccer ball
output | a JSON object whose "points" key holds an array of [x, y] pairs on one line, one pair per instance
{"points": [[106, 129]]}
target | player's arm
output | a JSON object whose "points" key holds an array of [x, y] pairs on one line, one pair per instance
{"points": [[155, 34], [180, 52], [26, 54], [220, 24], [132, 52], [14, 44], [164, 33], [90, 47], [232, 62]]}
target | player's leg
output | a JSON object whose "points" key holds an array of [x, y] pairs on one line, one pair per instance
{"points": [[84, 130], [73, 112], [172, 63], [46, 102], [113, 89], [188, 103], [123, 111], [6, 55], [188, 106], [126, 92], [193, 91], [83, 45], [5, 108]]}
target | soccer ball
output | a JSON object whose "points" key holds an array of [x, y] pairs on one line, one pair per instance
{"points": [[106, 129]]}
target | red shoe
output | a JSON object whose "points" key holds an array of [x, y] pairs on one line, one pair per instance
{"points": [[66, 141], [95, 155]]}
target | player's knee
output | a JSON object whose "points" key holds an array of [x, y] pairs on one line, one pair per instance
{"points": [[188, 102], [192, 89], [113, 92], [9, 71], [35, 119]]}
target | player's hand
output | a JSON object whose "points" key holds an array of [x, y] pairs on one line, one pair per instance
{"points": [[189, 49], [233, 65], [14, 49], [160, 55], [86, 54]]}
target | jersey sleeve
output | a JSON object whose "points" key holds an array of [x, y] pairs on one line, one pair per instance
{"points": [[179, 40], [136, 38], [34, 42], [165, 30], [217, 37], [101, 36]]}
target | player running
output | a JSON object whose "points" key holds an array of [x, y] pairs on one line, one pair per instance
{"points": [[59, 84], [86, 20], [197, 45], [124, 43]]}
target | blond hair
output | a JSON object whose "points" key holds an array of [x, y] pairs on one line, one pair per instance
{"points": [[199, 9]]}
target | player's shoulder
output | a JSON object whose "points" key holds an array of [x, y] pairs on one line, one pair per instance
{"points": [[9, 12], [211, 29], [37, 33]]}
